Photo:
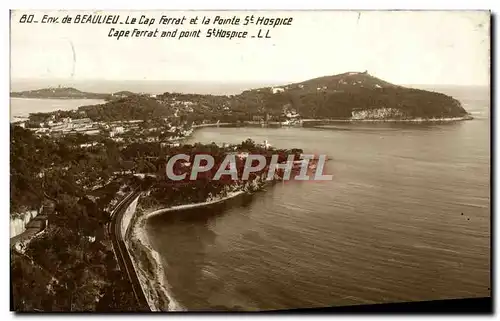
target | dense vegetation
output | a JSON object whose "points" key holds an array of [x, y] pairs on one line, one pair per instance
{"points": [[71, 266], [167, 193], [338, 96], [335, 97], [330, 97], [130, 108], [46, 166]]}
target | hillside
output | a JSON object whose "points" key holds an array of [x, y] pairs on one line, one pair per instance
{"points": [[60, 93], [341, 82], [123, 93], [127, 108], [347, 96], [357, 96]]}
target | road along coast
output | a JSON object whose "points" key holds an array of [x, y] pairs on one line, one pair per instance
{"points": [[147, 261]]}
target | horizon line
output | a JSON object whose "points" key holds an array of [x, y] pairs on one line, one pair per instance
{"points": [[283, 82]]}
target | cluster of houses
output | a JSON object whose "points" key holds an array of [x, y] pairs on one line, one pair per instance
{"points": [[65, 126], [291, 118], [127, 131]]}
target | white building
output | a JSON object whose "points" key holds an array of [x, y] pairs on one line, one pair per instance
{"points": [[116, 130], [168, 144], [88, 145], [266, 144], [242, 155]]}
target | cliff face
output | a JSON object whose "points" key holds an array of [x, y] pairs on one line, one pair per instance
{"points": [[19, 222], [377, 114]]}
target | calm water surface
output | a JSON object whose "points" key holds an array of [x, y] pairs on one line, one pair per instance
{"points": [[406, 217]]}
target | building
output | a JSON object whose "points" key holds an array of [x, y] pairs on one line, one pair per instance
{"points": [[277, 90], [92, 132], [116, 130], [88, 145], [266, 144], [41, 130], [169, 144], [242, 155]]}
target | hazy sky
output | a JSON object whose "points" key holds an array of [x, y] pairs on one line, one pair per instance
{"points": [[400, 47]]}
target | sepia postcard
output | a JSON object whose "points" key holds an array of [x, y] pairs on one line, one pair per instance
{"points": [[229, 161]]}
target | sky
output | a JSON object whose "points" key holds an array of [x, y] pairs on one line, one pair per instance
{"points": [[402, 47]]}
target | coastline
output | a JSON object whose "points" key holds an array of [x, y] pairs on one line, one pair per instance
{"points": [[147, 261], [56, 98], [231, 195], [149, 268], [212, 125], [413, 120]]}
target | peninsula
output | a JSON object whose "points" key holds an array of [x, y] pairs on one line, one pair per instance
{"points": [[65, 93], [351, 96]]}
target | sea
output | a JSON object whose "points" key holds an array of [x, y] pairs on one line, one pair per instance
{"points": [[20, 108], [406, 217]]}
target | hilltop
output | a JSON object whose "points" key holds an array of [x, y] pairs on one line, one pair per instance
{"points": [[347, 96], [357, 96], [341, 82]]}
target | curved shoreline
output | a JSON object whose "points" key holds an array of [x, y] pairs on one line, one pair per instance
{"points": [[314, 121], [412, 120], [147, 261], [195, 205], [149, 268]]}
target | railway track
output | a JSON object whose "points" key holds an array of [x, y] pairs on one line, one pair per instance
{"points": [[121, 251]]}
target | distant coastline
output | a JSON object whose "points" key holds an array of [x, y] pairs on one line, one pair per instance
{"points": [[346, 97], [59, 93], [22, 107]]}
